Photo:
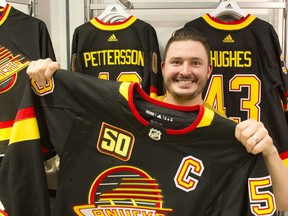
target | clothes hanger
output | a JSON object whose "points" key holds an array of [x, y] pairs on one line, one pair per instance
{"points": [[113, 13], [3, 3], [228, 9]]}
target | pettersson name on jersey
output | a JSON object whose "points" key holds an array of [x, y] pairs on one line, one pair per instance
{"points": [[114, 57], [231, 58]]}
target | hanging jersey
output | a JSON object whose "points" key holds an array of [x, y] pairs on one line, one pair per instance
{"points": [[22, 38], [124, 153], [249, 78], [23, 187], [120, 51]]}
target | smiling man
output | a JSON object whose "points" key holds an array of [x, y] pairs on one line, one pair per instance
{"points": [[186, 68]]}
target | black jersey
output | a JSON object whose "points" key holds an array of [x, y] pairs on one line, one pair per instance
{"points": [[249, 78], [124, 153], [120, 51], [22, 38]]}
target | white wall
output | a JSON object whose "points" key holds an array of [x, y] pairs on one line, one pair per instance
{"points": [[53, 13]]}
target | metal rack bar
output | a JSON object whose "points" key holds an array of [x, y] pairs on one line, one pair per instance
{"points": [[25, 2], [87, 10], [35, 7], [195, 5], [32, 4], [284, 33]]}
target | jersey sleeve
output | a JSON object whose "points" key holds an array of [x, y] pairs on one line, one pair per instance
{"points": [[274, 64], [22, 176], [283, 73], [74, 46], [46, 46], [156, 86]]}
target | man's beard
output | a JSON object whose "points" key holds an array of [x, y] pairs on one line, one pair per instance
{"points": [[186, 95]]}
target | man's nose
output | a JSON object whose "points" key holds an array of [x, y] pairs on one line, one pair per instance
{"points": [[186, 69]]}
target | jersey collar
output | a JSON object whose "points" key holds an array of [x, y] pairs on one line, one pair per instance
{"points": [[113, 26], [5, 12], [204, 118], [236, 25]]}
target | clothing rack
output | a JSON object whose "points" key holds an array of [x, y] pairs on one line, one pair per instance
{"points": [[190, 5], [32, 4], [130, 5]]}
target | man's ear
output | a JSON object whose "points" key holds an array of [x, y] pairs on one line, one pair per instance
{"points": [[210, 69], [162, 67]]}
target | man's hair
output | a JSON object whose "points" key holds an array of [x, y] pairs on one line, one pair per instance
{"points": [[186, 34]]}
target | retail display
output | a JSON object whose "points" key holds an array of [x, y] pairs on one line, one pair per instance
{"points": [[107, 133]]}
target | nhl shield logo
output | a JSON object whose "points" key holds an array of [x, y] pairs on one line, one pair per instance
{"points": [[155, 134]]}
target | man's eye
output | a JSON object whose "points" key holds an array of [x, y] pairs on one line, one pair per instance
{"points": [[196, 63]]}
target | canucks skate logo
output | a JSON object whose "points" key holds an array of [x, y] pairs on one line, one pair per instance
{"points": [[10, 65], [155, 134], [124, 191]]}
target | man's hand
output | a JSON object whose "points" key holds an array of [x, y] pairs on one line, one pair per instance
{"points": [[254, 136], [42, 70]]}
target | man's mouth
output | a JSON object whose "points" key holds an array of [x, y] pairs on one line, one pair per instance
{"points": [[185, 81]]}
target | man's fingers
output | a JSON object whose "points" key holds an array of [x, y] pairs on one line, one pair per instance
{"points": [[264, 146], [245, 129], [252, 134], [42, 70], [51, 69]]}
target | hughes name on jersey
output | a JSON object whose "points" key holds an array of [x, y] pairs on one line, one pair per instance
{"points": [[120, 51], [124, 153], [249, 78]]}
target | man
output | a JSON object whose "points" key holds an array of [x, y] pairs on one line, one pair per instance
{"points": [[185, 69], [185, 73]]}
